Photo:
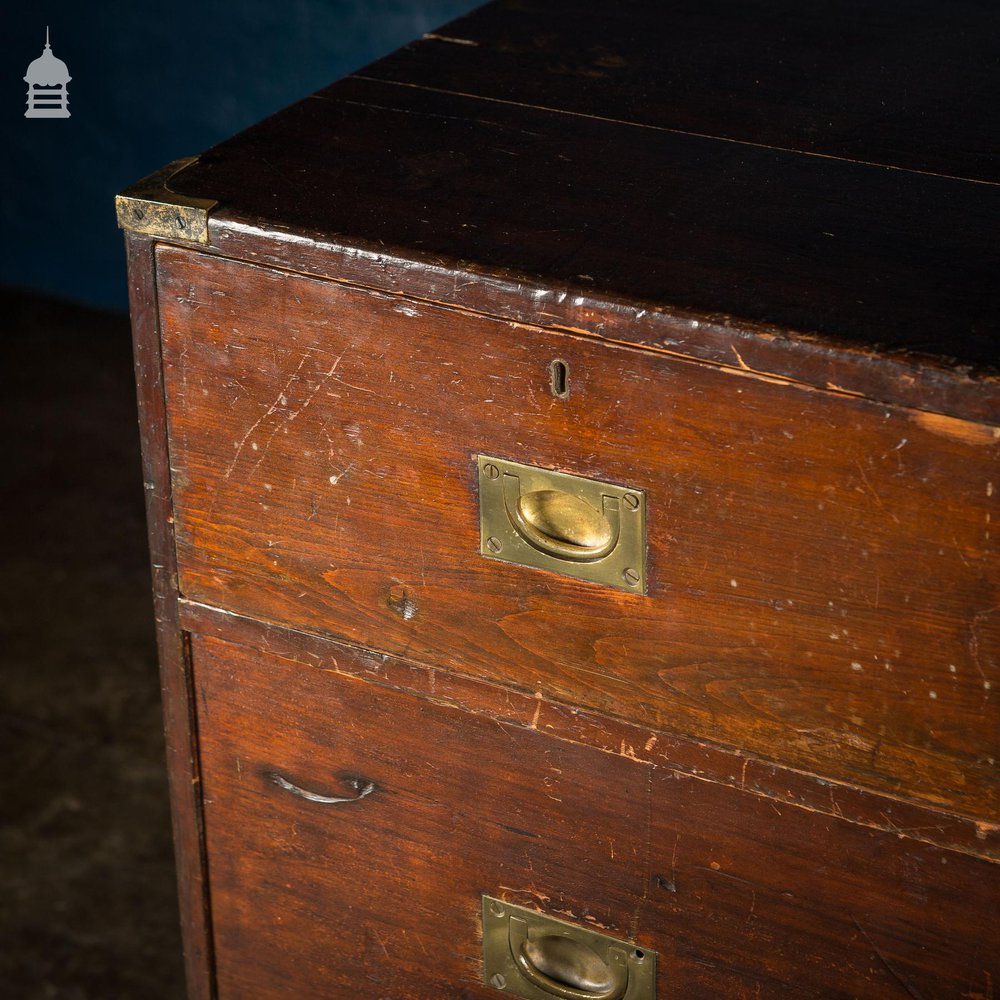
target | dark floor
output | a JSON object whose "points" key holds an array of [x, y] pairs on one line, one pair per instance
{"points": [[87, 898]]}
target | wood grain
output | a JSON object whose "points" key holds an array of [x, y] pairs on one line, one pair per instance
{"points": [[181, 740], [758, 899], [379, 896], [875, 258], [903, 378], [901, 817], [764, 239], [823, 578], [905, 85]]}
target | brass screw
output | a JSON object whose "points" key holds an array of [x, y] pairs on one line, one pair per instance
{"points": [[631, 576], [498, 980], [497, 909], [631, 501], [491, 471], [494, 544]]}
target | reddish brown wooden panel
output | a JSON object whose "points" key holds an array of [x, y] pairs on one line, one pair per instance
{"points": [[810, 246], [379, 896], [181, 744], [901, 379], [823, 577], [750, 890], [697, 759]]}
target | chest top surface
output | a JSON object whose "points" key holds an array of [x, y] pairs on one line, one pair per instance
{"points": [[823, 173]]}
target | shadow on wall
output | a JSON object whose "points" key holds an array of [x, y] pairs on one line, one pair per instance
{"points": [[152, 82]]}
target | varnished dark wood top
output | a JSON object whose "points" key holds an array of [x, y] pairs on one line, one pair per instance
{"points": [[905, 83], [823, 168]]}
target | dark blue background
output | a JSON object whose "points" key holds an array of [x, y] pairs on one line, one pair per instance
{"points": [[153, 81]]}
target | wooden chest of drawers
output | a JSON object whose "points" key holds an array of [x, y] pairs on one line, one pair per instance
{"points": [[572, 446]]}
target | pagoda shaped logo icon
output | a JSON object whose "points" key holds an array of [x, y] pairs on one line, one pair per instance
{"points": [[47, 78]]}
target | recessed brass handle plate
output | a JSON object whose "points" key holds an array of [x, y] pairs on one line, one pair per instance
{"points": [[536, 957], [567, 524]]}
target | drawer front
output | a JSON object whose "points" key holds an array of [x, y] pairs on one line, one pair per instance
{"points": [[352, 830], [822, 578], [380, 896]]}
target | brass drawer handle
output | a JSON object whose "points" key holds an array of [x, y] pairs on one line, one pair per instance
{"points": [[588, 529], [561, 524], [360, 785], [568, 968], [530, 955]]}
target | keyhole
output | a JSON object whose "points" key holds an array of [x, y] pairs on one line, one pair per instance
{"points": [[559, 384]]}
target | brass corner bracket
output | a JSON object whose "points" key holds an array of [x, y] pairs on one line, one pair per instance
{"points": [[150, 207]]}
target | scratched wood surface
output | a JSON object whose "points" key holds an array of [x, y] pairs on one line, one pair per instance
{"points": [[378, 894], [823, 578], [182, 758], [696, 758], [876, 258], [901, 378], [765, 239]]}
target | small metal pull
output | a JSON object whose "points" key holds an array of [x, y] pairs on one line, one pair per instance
{"points": [[536, 957], [361, 786], [568, 968], [567, 524], [561, 524]]}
